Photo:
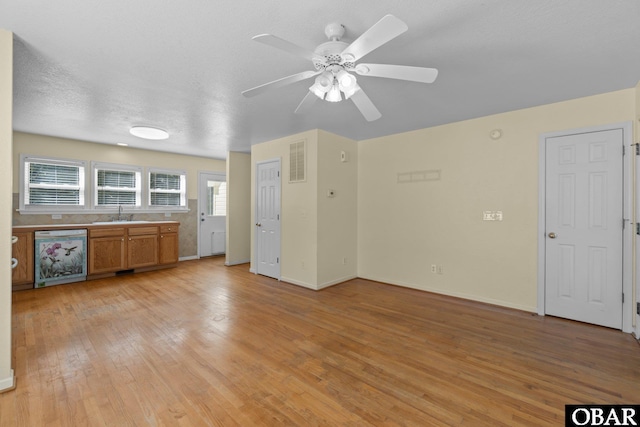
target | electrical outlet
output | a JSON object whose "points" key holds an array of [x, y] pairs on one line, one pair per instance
{"points": [[434, 268], [440, 270]]}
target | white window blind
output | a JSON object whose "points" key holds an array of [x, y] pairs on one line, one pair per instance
{"points": [[50, 182], [167, 188], [117, 185]]}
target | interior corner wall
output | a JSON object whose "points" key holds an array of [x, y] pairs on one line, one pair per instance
{"points": [[7, 380], [337, 209], [238, 208], [298, 209], [422, 194], [636, 139]]}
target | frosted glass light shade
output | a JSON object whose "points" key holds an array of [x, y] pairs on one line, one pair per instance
{"points": [[146, 132]]}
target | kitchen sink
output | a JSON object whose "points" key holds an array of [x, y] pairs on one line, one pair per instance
{"points": [[124, 221]]}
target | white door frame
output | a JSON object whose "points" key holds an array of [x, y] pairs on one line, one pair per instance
{"points": [[199, 206], [255, 214], [627, 235]]}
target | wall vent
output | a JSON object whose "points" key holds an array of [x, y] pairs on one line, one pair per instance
{"points": [[297, 161]]}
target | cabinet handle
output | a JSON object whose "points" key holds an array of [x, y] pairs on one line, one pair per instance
{"points": [[162, 237], [123, 239]]}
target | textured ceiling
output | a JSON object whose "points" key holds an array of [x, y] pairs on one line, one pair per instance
{"points": [[91, 69]]}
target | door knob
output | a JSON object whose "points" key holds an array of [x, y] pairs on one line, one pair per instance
{"points": [[552, 235], [258, 224]]}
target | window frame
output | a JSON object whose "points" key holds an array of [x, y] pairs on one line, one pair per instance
{"points": [[115, 167], [83, 183], [183, 190]]}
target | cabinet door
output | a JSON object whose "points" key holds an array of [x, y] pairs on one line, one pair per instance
{"points": [[22, 250], [106, 254], [142, 251], [168, 248]]}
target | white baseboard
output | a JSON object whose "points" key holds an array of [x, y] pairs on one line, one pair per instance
{"points": [[299, 283], [336, 282], [242, 261], [461, 295], [252, 270], [9, 383], [188, 258]]}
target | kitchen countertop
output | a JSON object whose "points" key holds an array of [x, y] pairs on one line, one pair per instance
{"points": [[90, 225]]}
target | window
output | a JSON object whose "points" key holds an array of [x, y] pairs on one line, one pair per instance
{"points": [[117, 185], [216, 198], [167, 188], [52, 182]]}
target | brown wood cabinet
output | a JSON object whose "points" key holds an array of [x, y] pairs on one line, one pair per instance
{"points": [[22, 250], [110, 249], [142, 247], [168, 244], [131, 247], [107, 250]]}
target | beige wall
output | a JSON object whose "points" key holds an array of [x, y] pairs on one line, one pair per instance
{"points": [[318, 235], [337, 216], [636, 139], [238, 208], [6, 113], [299, 220], [404, 228], [40, 145]]}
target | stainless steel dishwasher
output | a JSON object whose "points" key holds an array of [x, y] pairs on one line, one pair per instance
{"points": [[60, 257]]}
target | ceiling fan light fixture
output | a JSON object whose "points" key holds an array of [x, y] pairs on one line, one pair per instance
{"points": [[345, 80], [146, 132], [334, 94], [322, 85], [348, 92]]}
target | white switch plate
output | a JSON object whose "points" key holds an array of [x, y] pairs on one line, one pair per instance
{"points": [[492, 216]]}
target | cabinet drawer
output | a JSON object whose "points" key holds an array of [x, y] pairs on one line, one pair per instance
{"points": [[139, 231], [106, 232], [169, 228]]}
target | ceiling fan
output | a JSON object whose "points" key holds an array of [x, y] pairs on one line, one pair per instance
{"points": [[334, 61]]}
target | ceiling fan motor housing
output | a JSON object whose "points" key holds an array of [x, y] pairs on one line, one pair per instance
{"points": [[332, 53]]}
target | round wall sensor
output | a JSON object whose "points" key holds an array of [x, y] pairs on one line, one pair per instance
{"points": [[496, 134]]}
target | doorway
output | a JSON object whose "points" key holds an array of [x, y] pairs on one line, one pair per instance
{"points": [[267, 216], [583, 235], [212, 216]]}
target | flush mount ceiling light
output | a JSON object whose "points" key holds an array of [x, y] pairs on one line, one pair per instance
{"points": [[147, 132]]}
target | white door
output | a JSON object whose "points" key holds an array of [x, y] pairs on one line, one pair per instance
{"points": [[268, 218], [212, 202], [584, 221]]}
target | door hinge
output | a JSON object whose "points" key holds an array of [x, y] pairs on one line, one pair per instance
{"points": [[278, 217], [623, 297], [638, 228], [624, 150], [277, 260], [278, 173], [637, 149]]}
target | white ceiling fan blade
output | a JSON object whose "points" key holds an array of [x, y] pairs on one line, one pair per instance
{"points": [[400, 72], [386, 29], [258, 90], [287, 46], [366, 107], [307, 102]]}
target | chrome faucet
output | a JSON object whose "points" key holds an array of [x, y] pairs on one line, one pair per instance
{"points": [[119, 212]]}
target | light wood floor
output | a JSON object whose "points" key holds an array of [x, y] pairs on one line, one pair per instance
{"points": [[209, 345]]}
